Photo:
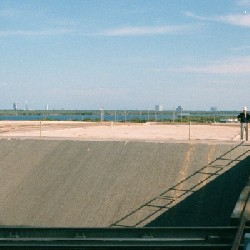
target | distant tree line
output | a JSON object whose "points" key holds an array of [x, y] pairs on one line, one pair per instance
{"points": [[140, 116]]}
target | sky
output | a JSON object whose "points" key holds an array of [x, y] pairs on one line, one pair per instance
{"points": [[125, 54]]}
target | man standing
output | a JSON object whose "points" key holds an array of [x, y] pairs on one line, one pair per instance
{"points": [[244, 118]]}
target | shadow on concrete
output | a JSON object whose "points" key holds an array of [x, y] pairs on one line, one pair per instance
{"points": [[208, 199], [211, 205]]}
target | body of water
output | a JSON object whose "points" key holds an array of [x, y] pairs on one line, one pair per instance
{"points": [[119, 118]]}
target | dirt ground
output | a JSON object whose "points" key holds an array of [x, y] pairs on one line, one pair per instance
{"points": [[110, 131]]}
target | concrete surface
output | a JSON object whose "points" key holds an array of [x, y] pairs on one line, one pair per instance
{"points": [[119, 183]]}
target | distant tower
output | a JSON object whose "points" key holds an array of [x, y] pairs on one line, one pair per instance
{"points": [[213, 109], [179, 109], [102, 114], [15, 106], [158, 108], [26, 105], [47, 107]]}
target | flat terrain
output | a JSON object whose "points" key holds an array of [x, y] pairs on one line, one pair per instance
{"points": [[119, 131], [101, 175]]}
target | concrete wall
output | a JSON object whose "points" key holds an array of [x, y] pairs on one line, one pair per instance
{"points": [[99, 184]]}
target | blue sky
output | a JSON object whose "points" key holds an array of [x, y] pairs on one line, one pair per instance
{"points": [[125, 54]]}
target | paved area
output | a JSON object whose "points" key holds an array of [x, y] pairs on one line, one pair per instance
{"points": [[119, 183]]}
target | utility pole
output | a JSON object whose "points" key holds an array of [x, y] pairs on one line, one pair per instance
{"points": [[102, 114]]}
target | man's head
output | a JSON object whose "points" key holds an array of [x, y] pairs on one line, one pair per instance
{"points": [[245, 109]]}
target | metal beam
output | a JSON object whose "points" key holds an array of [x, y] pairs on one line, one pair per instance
{"points": [[118, 238]]}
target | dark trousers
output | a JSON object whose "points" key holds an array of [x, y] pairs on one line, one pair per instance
{"points": [[244, 128]]}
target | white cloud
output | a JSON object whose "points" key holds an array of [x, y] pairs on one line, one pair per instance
{"points": [[9, 13], [234, 19], [239, 20], [124, 31], [190, 14], [3, 84], [144, 30], [52, 32], [137, 11], [228, 66], [243, 2], [241, 48], [62, 22]]}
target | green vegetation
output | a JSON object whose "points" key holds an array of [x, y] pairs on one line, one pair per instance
{"points": [[136, 116]]}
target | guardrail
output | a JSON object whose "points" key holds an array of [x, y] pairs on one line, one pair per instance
{"points": [[118, 238]]}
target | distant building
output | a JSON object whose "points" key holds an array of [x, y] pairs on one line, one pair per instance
{"points": [[179, 109], [15, 106], [213, 109], [158, 108]]}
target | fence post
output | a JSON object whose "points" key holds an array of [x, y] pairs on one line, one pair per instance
{"points": [[40, 128], [189, 131]]}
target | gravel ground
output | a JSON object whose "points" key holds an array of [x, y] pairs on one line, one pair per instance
{"points": [[119, 131]]}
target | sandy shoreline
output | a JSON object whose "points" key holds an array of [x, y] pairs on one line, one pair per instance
{"points": [[119, 131]]}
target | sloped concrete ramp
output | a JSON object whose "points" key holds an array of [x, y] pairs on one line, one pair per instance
{"points": [[101, 184]]}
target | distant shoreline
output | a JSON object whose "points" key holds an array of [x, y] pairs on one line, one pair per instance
{"points": [[136, 116]]}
